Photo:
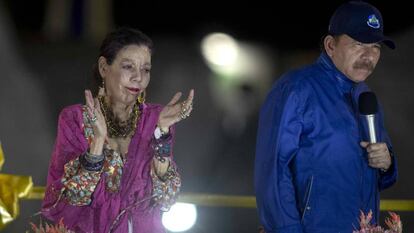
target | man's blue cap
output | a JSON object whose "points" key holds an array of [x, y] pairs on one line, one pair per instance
{"points": [[361, 21]]}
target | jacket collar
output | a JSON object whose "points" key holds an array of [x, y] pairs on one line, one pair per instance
{"points": [[344, 83]]}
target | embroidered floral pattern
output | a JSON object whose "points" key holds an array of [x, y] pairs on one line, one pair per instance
{"points": [[78, 183], [166, 189], [113, 170]]}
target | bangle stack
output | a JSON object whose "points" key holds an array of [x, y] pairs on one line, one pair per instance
{"points": [[92, 162], [162, 151]]}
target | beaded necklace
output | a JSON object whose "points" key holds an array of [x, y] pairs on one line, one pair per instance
{"points": [[117, 128]]}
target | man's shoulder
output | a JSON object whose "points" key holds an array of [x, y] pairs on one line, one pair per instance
{"points": [[299, 78], [302, 74]]}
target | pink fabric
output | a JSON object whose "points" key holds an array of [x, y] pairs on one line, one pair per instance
{"points": [[136, 181]]}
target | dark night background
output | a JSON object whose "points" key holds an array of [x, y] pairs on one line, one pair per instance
{"points": [[41, 74]]}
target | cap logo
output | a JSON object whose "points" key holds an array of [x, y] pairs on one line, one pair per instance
{"points": [[373, 21]]}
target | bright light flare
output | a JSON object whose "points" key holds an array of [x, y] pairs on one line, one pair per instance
{"points": [[181, 217], [220, 49]]}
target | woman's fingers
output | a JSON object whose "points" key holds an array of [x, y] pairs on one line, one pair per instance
{"points": [[187, 105], [189, 102], [93, 106], [190, 109], [176, 111], [89, 99], [89, 102], [175, 98], [190, 96]]}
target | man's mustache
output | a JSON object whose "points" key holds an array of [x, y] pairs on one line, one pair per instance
{"points": [[364, 65]]}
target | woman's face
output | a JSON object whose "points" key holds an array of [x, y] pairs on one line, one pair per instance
{"points": [[128, 75]]}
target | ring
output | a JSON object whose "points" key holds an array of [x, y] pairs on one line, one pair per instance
{"points": [[93, 119], [184, 111], [183, 115]]}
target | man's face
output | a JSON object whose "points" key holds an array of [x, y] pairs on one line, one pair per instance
{"points": [[355, 59]]}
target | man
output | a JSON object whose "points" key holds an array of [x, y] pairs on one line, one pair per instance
{"points": [[314, 169]]}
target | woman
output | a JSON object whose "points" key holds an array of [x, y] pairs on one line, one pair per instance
{"points": [[112, 167]]}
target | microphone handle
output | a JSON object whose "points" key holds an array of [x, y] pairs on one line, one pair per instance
{"points": [[371, 128]]}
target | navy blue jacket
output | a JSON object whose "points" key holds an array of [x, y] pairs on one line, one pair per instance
{"points": [[311, 174]]}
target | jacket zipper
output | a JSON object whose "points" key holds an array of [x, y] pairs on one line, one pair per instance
{"points": [[308, 194]]}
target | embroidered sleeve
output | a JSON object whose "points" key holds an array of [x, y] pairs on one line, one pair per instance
{"points": [[79, 183], [165, 190], [81, 175]]}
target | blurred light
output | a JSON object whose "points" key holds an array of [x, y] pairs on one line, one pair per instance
{"points": [[220, 49], [181, 217]]}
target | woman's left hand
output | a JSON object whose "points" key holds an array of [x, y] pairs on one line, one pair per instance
{"points": [[175, 111]]}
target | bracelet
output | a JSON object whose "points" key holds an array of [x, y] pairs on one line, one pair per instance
{"points": [[94, 158], [91, 163], [162, 151]]}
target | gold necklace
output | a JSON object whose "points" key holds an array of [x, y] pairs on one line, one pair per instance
{"points": [[117, 128]]}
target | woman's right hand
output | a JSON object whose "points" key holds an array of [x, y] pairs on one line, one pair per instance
{"points": [[98, 123]]}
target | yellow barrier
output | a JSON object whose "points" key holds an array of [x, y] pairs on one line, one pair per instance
{"points": [[218, 200], [12, 188], [240, 201]]}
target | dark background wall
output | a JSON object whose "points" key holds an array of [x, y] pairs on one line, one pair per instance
{"points": [[47, 49]]}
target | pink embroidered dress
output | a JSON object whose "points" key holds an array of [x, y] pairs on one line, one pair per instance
{"points": [[125, 195]]}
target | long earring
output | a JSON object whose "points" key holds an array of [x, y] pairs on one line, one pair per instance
{"points": [[141, 97], [102, 88]]}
